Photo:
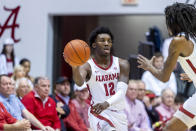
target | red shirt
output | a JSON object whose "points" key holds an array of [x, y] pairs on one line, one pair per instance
{"points": [[45, 113], [5, 117], [73, 121]]}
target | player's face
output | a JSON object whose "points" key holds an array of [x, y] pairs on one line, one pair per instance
{"points": [[158, 62], [103, 44], [132, 91]]}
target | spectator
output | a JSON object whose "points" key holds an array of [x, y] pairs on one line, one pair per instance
{"points": [[8, 59], [141, 90], [22, 87], [165, 109], [62, 108], [73, 122], [81, 103], [150, 103], [19, 73], [41, 105], [7, 122], [178, 101], [13, 86], [27, 66], [135, 111], [13, 105], [155, 85]]}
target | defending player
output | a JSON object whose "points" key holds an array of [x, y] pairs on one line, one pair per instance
{"points": [[106, 77], [181, 23]]}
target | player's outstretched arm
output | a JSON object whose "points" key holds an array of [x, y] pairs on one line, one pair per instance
{"points": [[80, 73], [177, 47], [122, 83]]}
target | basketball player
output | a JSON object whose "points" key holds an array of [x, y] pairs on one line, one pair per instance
{"points": [[181, 23], [107, 78]]}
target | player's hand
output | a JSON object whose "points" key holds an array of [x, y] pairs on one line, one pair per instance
{"points": [[145, 63], [98, 108], [184, 76]]}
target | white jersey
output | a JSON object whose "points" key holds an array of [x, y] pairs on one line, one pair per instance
{"points": [[103, 82], [189, 64]]}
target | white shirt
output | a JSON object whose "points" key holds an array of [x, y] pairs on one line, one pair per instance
{"points": [[156, 86]]}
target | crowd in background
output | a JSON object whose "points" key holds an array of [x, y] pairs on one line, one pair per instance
{"points": [[25, 102]]}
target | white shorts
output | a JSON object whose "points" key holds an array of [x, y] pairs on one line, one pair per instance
{"points": [[187, 112], [108, 121]]}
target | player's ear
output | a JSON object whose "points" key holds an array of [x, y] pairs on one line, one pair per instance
{"points": [[94, 45]]}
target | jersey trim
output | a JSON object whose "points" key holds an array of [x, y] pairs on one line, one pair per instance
{"points": [[186, 112], [103, 118], [111, 62], [191, 65]]}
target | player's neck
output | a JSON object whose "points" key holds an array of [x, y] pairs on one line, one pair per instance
{"points": [[102, 59]]}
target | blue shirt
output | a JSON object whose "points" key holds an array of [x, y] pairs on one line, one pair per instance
{"points": [[13, 106]]}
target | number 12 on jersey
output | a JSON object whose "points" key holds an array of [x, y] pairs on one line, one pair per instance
{"points": [[109, 89]]}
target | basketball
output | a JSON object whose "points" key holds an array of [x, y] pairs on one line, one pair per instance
{"points": [[76, 52]]}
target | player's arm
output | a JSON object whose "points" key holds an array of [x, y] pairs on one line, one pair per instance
{"points": [[122, 83], [177, 46], [80, 73]]}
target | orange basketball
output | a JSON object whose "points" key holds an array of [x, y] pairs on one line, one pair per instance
{"points": [[76, 52]]}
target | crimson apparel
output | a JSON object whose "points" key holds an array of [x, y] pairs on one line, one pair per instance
{"points": [[73, 121], [45, 113], [5, 117]]}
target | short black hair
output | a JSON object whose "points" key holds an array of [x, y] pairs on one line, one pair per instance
{"points": [[97, 31], [22, 61], [181, 17]]}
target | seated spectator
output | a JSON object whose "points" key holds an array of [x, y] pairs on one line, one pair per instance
{"points": [[27, 66], [149, 102], [13, 86], [165, 109], [155, 85], [22, 87], [150, 105], [178, 101], [81, 104], [8, 60], [73, 122], [62, 108], [141, 90], [19, 73], [13, 105], [8, 122], [135, 111], [41, 105]]}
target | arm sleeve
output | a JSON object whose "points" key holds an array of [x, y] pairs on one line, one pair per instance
{"points": [[120, 94]]}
